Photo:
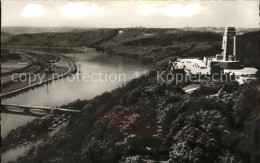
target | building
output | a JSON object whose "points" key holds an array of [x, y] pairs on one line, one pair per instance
{"points": [[226, 61]]}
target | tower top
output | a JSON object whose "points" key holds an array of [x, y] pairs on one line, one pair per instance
{"points": [[229, 44], [230, 30]]}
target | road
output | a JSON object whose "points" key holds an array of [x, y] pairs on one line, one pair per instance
{"points": [[10, 87]]}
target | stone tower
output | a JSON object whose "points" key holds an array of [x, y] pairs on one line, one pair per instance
{"points": [[229, 44]]}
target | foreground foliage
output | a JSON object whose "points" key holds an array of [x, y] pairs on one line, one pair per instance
{"points": [[149, 121]]}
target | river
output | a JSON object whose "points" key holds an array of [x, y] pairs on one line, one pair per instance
{"points": [[98, 73]]}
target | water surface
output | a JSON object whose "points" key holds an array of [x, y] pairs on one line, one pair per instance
{"points": [[59, 92]]}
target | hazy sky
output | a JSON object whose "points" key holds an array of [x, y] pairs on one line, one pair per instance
{"points": [[175, 13]]}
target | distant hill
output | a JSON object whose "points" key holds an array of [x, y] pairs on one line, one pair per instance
{"points": [[239, 31], [61, 39], [27, 30], [129, 37], [159, 45], [5, 34], [149, 45]]}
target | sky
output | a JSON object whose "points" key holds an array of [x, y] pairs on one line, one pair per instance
{"points": [[129, 13]]}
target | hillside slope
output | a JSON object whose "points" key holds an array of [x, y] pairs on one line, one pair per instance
{"points": [[149, 121], [30, 30], [69, 39], [5, 34], [159, 45], [150, 45]]}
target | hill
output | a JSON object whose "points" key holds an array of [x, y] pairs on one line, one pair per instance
{"points": [[239, 31], [150, 45], [159, 45], [5, 34], [26, 30], [68, 39], [248, 49]]}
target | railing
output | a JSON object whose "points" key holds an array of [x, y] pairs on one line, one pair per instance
{"points": [[42, 107]]}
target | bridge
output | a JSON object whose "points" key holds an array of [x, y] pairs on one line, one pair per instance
{"points": [[28, 108]]}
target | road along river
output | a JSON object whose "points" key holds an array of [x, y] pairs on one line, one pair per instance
{"points": [[97, 73]]}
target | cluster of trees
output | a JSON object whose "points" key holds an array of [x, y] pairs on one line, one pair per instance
{"points": [[165, 39], [151, 121], [248, 49]]}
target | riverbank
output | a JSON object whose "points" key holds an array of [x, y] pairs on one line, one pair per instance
{"points": [[17, 86], [15, 62], [155, 46], [38, 128], [148, 121], [71, 90]]}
